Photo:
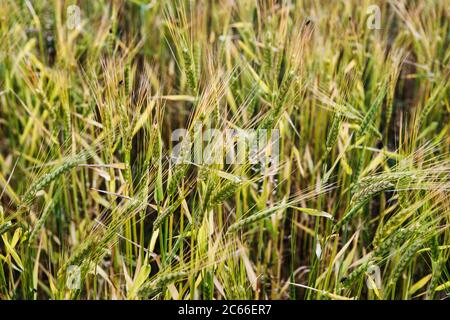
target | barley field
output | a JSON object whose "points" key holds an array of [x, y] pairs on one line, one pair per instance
{"points": [[245, 150]]}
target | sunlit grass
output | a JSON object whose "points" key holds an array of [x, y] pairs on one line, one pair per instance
{"points": [[93, 205]]}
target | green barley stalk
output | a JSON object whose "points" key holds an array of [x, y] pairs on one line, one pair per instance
{"points": [[159, 196], [41, 221], [179, 172], [223, 193], [43, 182], [405, 259], [388, 244], [356, 274], [152, 287], [256, 217], [81, 253], [370, 115], [369, 191], [167, 212], [190, 69], [394, 240], [334, 132], [267, 52]]}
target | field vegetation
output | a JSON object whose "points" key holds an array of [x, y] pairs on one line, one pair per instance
{"points": [[351, 202]]}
